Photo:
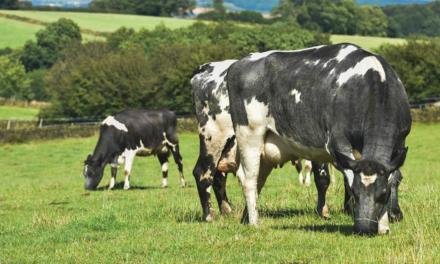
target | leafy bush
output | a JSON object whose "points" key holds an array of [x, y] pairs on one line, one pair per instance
{"points": [[417, 64], [152, 69], [13, 80]]}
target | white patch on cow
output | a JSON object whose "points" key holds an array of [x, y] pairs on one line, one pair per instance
{"points": [[112, 183], [164, 182], [167, 142], [367, 180], [361, 68], [345, 51], [127, 182], [165, 167], [260, 55], [111, 121], [391, 177], [327, 143], [384, 225], [297, 95], [208, 190], [215, 76], [308, 170], [350, 176]]}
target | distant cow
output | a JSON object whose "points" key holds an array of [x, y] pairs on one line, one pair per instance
{"points": [[133, 133], [217, 156], [325, 104]]}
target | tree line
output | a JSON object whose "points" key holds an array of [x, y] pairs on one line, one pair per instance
{"points": [[152, 68]]}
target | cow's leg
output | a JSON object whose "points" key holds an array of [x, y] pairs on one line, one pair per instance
{"points": [[219, 186], [203, 176], [322, 181], [163, 159], [250, 147], [129, 158], [348, 199], [298, 165], [394, 211], [308, 166], [114, 170], [265, 169], [178, 159]]}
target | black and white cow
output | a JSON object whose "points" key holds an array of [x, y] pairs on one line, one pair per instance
{"points": [[217, 156], [323, 103], [133, 133]]}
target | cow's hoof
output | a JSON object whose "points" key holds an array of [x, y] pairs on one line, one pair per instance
{"points": [[307, 183], [226, 208], [396, 215], [324, 213], [126, 187], [245, 218], [182, 184], [164, 186]]}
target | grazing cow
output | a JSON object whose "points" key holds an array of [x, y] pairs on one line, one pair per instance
{"points": [[217, 156], [325, 104], [133, 133]]}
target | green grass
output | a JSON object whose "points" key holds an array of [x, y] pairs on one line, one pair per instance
{"points": [[104, 22], [365, 42], [18, 113], [15, 33], [46, 216]]}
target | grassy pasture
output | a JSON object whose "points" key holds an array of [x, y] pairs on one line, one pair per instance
{"points": [[365, 41], [15, 33], [18, 113], [46, 216], [104, 22]]}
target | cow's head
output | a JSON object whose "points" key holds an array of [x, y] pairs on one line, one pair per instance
{"points": [[369, 182], [93, 171]]}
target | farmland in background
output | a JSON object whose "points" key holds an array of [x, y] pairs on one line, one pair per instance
{"points": [[18, 113], [110, 22]]}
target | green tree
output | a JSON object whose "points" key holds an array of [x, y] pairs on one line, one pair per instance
{"points": [[50, 43], [13, 80], [219, 6], [9, 4], [418, 66], [371, 20]]}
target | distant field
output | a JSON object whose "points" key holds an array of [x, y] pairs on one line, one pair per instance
{"points": [[104, 22], [15, 33], [18, 113], [47, 217], [366, 42]]}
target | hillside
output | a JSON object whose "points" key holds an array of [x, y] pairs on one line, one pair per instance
{"points": [[15, 33]]}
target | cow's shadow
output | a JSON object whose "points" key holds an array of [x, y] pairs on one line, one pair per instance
{"points": [[346, 230], [283, 212], [120, 186]]}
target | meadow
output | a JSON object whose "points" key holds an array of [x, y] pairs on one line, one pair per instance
{"points": [[47, 216], [18, 113], [110, 22]]}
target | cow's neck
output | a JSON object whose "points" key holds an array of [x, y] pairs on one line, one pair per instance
{"points": [[105, 151]]}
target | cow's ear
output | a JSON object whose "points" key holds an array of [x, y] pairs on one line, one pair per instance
{"points": [[345, 162], [398, 159]]}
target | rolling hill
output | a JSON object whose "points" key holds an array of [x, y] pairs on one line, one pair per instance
{"points": [[15, 32]]}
